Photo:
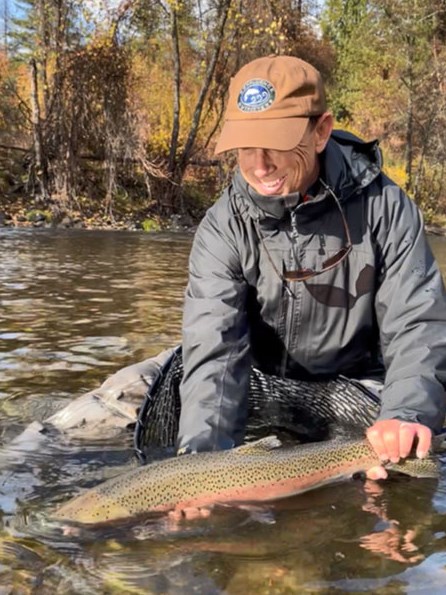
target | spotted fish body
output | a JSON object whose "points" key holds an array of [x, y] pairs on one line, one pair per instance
{"points": [[260, 471]]}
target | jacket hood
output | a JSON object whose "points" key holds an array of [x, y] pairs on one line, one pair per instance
{"points": [[347, 164]]}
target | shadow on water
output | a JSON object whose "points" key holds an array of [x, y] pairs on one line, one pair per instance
{"points": [[76, 306]]}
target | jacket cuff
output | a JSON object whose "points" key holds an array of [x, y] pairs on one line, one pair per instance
{"points": [[419, 400]]}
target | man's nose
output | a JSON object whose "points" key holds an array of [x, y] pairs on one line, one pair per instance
{"points": [[262, 164]]}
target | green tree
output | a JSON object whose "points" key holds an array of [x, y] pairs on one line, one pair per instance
{"points": [[415, 29], [390, 80], [347, 24]]}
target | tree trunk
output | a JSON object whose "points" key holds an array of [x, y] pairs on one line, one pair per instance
{"points": [[181, 163], [176, 92], [59, 128], [187, 152], [39, 153], [43, 71], [410, 113]]}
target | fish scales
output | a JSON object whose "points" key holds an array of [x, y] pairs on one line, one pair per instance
{"points": [[259, 471]]}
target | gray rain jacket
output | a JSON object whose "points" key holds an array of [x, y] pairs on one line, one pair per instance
{"points": [[382, 308]]}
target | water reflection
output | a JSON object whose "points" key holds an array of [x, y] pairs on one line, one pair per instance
{"points": [[76, 306]]}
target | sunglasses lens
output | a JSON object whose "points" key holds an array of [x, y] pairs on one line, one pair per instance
{"points": [[305, 274], [336, 258], [299, 275]]}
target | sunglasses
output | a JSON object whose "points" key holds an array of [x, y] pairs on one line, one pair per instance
{"points": [[330, 263]]}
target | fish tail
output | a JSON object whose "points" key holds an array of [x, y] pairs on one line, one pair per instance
{"points": [[439, 442]]}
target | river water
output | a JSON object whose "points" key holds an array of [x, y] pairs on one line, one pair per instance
{"points": [[74, 307]]}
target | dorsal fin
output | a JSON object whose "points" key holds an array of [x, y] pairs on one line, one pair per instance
{"points": [[260, 446]]}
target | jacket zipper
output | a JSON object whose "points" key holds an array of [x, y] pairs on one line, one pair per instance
{"points": [[289, 314]]}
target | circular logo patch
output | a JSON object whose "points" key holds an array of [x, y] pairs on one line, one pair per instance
{"points": [[257, 95]]}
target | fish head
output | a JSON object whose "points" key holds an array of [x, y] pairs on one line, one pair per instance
{"points": [[91, 507]]}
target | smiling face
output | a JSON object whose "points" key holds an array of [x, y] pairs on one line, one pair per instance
{"points": [[278, 173]]}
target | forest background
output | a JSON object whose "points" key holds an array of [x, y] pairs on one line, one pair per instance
{"points": [[109, 110]]}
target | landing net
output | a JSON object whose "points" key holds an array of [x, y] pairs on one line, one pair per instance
{"points": [[307, 410]]}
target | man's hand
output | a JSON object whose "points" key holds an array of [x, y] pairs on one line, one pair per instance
{"points": [[393, 440]]}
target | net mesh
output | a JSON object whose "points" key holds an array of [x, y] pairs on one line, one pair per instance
{"points": [[309, 410]]}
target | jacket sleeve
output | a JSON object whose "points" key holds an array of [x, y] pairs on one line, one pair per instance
{"points": [[216, 351], [411, 313]]}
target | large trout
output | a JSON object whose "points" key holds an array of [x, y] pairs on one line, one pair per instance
{"points": [[256, 472]]}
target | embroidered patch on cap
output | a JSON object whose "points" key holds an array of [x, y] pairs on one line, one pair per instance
{"points": [[257, 95]]}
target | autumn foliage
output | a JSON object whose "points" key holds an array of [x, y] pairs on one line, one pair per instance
{"points": [[115, 107]]}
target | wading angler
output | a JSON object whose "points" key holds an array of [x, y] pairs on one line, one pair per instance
{"points": [[312, 265]]}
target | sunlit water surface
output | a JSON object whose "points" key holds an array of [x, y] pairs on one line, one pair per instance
{"points": [[75, 307]]}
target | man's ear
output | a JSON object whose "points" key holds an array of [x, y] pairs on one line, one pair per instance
{"points": [[323, 130]]}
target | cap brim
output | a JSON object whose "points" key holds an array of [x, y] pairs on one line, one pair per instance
{"points": [[281, 134]]}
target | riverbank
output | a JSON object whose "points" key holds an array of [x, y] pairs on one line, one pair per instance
{"points": [[21, 215]]}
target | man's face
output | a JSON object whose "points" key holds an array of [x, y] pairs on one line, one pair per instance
{"points": [[278, 173]]}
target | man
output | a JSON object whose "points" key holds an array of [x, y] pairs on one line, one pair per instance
{"points": [[311, 264]]}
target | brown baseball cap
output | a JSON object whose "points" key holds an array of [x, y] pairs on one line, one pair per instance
{"points": [[270, 102]]}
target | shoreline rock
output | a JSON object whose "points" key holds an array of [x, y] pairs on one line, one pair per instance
{"points": [[37, 220], [435, 230], [175, 223]]}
